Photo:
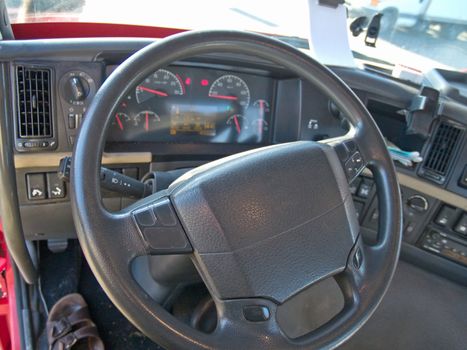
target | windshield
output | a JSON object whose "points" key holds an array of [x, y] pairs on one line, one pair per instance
{"points": [[419, 34], [260, 16]]}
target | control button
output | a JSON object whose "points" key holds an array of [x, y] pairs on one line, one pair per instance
{"points": [[163, 233], [354, 165], [350, 170], [35, 186], [341, 152], [79, 119], [167, 239], [409, 228], [461, 226], [358, 208], [418, 203], [131, 172], [357, 160], [353, 186], [351, 146], [145, 217], [444, 215], [71, 121], [463, 178], [55, 187], [256, 313], [364, 189], [31, 144], [164, 213]]}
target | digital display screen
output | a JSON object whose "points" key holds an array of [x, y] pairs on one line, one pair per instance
{"points": [[186, 104]]}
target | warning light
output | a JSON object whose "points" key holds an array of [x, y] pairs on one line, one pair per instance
{"points": [[204, 82], [188, 81]]}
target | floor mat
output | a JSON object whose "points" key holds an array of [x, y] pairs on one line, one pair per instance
{"points": [[67, 272], [59, 272], [115, 330], [421, 311]]}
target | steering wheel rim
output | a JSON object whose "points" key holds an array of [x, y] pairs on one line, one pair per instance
{"points": [[110, 241]]}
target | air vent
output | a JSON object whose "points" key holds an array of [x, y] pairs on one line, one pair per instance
{"points": [[441, 152], [34, 105]]}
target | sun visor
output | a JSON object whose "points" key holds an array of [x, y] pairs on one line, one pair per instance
{"points": [[328, 34]]}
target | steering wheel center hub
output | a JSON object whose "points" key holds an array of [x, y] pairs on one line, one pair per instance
{"points": [[250, 238]]}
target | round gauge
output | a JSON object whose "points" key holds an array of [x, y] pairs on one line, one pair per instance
{"points": [[147, 119], [161, 83], [231, 88], [120, 120], [237, 123]]}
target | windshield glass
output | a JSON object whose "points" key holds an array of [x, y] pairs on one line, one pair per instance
{"points": [[419, 34], [261, 16]]}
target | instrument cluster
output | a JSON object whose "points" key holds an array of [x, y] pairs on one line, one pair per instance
{"points": [[196, 105]]}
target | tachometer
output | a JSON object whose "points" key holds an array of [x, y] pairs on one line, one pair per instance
{"points": [[231, 88], [161, 83]]}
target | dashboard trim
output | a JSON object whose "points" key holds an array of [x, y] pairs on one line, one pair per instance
{"points": [[428, 189], [52, 159]]}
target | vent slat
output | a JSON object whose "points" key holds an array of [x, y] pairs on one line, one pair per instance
{"points": [[33, 103], [443, 146]]}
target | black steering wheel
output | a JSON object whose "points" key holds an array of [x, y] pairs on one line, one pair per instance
{"points": [[260, 226]]}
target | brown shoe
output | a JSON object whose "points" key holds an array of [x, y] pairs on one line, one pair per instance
{"points": [[69, 326]]}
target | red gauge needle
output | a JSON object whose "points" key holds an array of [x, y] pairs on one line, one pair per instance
{"points": [[237, 124], [119, 122], [152, 91], [225, 97], [146, 126], [261, 106]]}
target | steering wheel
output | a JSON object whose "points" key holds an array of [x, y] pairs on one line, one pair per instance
{"points": [[260, 226]]}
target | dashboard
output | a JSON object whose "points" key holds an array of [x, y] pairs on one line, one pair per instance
{"points": [[196, 105], [204, 108]]}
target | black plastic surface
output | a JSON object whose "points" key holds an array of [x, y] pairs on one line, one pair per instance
{"points": [[247, 243]]}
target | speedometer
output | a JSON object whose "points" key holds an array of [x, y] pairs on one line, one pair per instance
{"points": [[231, 88], [161, 83]]}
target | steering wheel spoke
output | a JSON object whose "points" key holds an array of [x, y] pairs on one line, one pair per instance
{"points": [[149, 227], [351, 157], [159, 227]]}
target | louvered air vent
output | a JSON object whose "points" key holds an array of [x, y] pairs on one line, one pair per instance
{"points": [[441, 152], [34, 106]]}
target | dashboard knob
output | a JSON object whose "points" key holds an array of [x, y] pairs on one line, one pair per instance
{"points": [[418, 203], [78, 88]]}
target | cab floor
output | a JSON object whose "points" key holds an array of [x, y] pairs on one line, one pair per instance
{"points": [[420, 311]]}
